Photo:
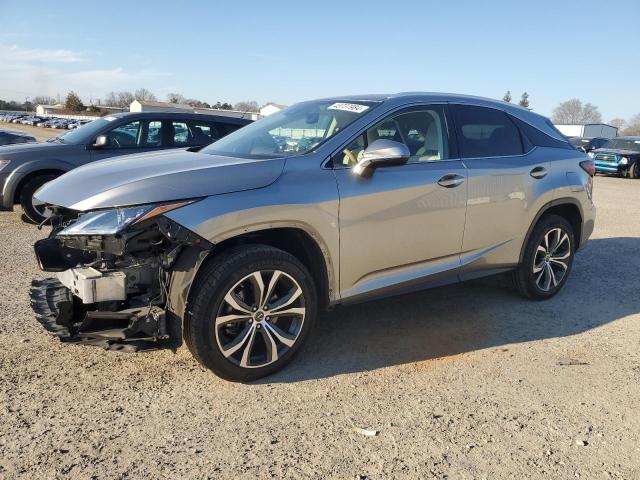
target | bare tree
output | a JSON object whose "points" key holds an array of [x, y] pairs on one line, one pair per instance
{"points": [[144, 95], [176, 98], [43, 100], [125, 99], [633, 126], [619, 123], [574, 112], [111, 100], [247, 106]]}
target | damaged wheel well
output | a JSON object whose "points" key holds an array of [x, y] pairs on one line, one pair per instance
{"points": [[295, 241]]}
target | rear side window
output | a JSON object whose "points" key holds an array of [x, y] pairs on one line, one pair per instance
{"points": [[541, 139], [486, 132]]}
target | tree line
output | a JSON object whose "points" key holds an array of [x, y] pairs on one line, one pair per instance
{"points": [[575, 112], [123, 99]]}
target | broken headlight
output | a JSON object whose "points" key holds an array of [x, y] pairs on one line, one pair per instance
{"points": [[113, 221]]}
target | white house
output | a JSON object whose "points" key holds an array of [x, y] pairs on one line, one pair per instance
{"points": [[270, 108], [44, 110]]}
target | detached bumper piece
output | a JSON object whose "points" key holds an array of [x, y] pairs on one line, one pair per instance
{"points": [[130, 330]]}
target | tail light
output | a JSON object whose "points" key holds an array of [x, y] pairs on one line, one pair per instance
{"points": [[589, 167]]}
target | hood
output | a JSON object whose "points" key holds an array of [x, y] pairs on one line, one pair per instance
{"points": [[616, 151], [157, 177], [19, 150]]}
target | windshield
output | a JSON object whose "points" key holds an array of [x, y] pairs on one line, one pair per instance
{"points": [[622, 144], [293, 131], [86, 132]]}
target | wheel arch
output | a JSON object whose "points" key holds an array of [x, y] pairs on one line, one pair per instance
{"points": [[567, 208], [29, 176], [294, 240]]}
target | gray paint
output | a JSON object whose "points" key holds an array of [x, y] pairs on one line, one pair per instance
{"points": [[399, 227]]}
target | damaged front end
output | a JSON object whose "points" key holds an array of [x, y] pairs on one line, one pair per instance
{"points": [[112, 270]]}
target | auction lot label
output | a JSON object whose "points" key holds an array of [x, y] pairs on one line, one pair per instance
{"points": [[348, 107]]}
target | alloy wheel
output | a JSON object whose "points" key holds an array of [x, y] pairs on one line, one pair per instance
{"points": [[260, 318], [551, 260]]}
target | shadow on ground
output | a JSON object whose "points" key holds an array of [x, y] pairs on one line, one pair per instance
{"points": [[467, 317]]}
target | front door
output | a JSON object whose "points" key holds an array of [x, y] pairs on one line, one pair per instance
{"points": [[137, 136], [404, 224]]}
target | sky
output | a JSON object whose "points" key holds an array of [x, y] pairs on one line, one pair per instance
{"points": [[288, 51]]}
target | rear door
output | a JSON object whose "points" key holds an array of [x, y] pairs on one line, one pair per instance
{"points": [[508, 179], [136, 136]]}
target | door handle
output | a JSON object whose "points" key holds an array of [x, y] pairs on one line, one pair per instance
{"points": [[538, 172], [451, 180]]}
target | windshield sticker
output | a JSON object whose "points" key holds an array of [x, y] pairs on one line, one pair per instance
{"points": [[349, 107], [109, 119]]}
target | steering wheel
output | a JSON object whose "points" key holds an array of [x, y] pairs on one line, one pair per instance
{"points": [[352, 158]]}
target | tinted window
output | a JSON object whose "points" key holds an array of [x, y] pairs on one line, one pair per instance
{"points": [[486, 132], [423, 131], [138, 134]]}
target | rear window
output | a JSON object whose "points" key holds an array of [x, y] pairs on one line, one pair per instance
{"points": [[486, 132]]}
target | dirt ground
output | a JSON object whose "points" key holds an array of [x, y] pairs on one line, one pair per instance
{"points": [[461, 382], [40, 134]]}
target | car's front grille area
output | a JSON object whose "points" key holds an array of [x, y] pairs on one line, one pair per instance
{"points": [[606, 157]]}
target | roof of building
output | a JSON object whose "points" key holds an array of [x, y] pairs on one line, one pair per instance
{"points": [[164, 104]]}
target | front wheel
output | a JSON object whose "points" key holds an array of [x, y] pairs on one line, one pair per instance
{"points": [[548, 259], [634, 171], [34, 210], [252, 309]]}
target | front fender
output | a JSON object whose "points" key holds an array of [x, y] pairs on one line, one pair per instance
{"points": [[23, 170]]}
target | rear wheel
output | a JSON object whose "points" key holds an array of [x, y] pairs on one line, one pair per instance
{"points": [[252, 309], [548, 259], [34, 210]]}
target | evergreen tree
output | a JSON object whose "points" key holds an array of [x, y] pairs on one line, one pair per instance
{"points": [[524, 100], [507, 97]]}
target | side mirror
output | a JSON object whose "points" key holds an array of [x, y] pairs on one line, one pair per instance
{"points": [[382, 153], [101, 141]]}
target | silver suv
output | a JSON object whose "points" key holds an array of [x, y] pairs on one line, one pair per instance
{"points": [[236, 247]]}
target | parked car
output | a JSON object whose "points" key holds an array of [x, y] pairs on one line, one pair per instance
{"points": [[25, 168], [326, 202], [10, 138], [587, 144], [620, 155]]}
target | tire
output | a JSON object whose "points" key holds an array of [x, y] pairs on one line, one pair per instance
{"points": [[634, 171], [532, 278], [222, 345], [26, 197]]}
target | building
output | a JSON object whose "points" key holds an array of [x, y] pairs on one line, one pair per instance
{"points": [[588, 130], [106, 109], [144, 106], [45, 110], [270, 108]]}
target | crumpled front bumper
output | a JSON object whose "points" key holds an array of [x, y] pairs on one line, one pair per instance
{"points": [[59, 312]]}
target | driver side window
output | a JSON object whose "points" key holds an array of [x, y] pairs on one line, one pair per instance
{"points": [[138, 134], [422, 130]]}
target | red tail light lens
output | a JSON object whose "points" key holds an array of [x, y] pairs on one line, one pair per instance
{"points": [[589, 167]]}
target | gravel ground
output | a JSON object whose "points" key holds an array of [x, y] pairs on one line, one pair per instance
{"points": [[40, 134], [467, 381]]}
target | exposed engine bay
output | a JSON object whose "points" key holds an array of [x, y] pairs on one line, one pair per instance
{"points": [[112, 273]]}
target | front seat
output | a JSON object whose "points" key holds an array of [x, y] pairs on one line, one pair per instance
{"points": [[432, 148]]}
